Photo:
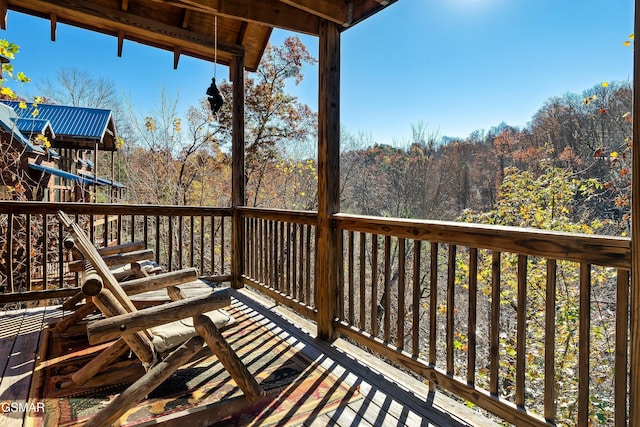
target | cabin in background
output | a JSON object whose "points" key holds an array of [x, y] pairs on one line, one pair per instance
{"points": [[58, 148]]}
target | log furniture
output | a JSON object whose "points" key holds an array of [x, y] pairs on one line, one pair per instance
{"points": [[149, 332]]}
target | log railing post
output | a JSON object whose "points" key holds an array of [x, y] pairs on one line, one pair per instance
{"points": [[237, 171], [328, 177]]}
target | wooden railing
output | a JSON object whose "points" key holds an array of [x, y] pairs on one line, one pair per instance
{"points": [[31, 239], [280, 256], [530, 325]]}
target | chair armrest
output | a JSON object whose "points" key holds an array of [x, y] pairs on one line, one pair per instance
{"points": [[114, 327]]}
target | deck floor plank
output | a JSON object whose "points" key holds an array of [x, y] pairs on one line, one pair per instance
{"points": [[388, 398], [16, 380]]}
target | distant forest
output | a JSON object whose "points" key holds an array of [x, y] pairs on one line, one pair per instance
{"points": [[569, 168]]}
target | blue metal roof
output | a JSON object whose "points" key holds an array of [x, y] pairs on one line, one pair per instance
{"points": [[89, 123], [61, 173], [101, 181], [33, 125]]}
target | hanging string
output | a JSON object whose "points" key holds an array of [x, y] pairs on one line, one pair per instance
{"points": [[215, 98], [215, 46]]}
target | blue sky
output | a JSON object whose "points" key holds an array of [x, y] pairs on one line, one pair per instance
{"points": [[454, 65]]}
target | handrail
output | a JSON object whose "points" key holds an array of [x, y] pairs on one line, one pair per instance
{"points": [[607, 251]]}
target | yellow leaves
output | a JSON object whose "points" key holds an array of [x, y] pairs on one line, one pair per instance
{"points": [[22, 105], [605, 84], [35, 112], [6, 91], [22, 77], [150, 124], [177, 124], [628, 42], [42, 140], [119, 142], [589, 99], [614, 155]]}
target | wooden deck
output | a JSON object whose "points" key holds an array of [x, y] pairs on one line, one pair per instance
{"points": [[390, 397]]}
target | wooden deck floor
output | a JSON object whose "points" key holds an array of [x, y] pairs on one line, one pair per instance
{"points": [[390, 398]]}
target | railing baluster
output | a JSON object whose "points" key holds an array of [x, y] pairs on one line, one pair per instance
{"points": [[433, 306], [622, 336], [340, 295], [213, 244], [308, 281], [106, 231], [494, 332], [387, 288], [351, 294], [29, 248], [374, 285], [401, 292], [145, 230], [60, 256], [294, 261], [119, 230], [222, 247], [550, 343], [132, 237], [45, 252], [451, 286], [363, 289], [473, 311], [288, 260], [193, 245], [92, 229], [417, 293], [9, 260], [521, 333], [301, 264], [180, 241], [261, 252], [158, 240], [584, 333], [202, 244], [170, 237]]}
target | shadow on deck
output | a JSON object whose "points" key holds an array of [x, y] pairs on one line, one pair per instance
{"points": [[377, 394]]}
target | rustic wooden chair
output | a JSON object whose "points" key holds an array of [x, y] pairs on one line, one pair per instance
{"points": [[157, 335]]}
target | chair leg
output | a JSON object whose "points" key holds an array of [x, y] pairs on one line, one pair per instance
{"points": [[229, 359], [145, 385], [99, 362]]}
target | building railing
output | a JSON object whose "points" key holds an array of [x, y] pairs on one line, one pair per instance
{"points": [[31, 239], [280, 256], [530, 325]]}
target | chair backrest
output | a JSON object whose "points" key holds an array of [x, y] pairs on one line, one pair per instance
{"points": [[89, 251], [114, 301]]}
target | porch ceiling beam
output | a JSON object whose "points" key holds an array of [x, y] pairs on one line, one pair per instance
{"points": [[329, 10], [272, 13], [111, 21]]}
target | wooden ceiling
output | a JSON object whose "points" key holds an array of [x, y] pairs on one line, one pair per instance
{"points": [[187, 27]]}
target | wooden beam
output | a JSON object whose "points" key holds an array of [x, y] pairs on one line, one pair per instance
{"points": [[328, 177], [4, 6], [138, 28], [120, 43], [272, 13], [176, 57], [337, 12], [54, 22], [237, 172], [634, 365]]}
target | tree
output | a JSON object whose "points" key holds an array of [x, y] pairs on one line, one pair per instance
{"points": [[273, 118]]}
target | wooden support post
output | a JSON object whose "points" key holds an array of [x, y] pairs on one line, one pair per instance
{"points": [[138, 390], [634, 365], [328, 177], [229, 359], [237, 171], [98, 363]]}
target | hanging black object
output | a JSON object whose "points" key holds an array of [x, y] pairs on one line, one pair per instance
{"points": [[215, 98]]}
